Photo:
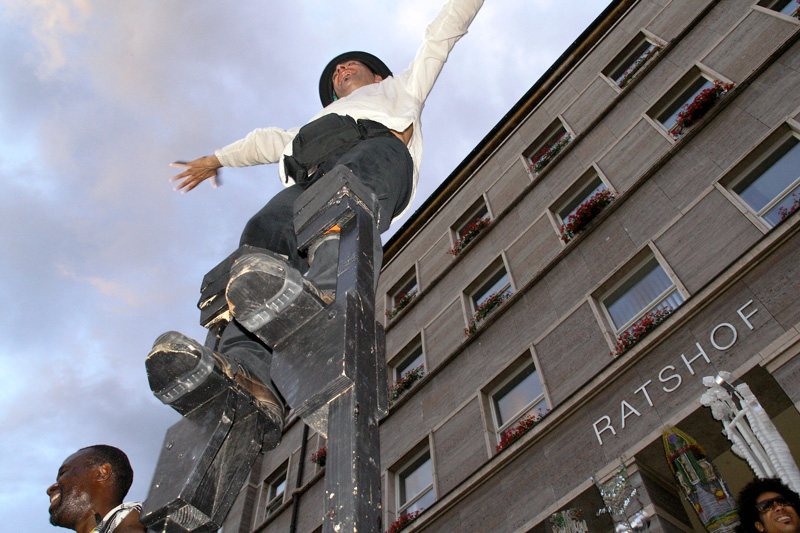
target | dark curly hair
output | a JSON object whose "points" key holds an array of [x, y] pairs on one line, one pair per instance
{"points": [[747, 501], [121, 471]]}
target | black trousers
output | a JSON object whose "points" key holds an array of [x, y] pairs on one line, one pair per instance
{"points": [[384, 166]]}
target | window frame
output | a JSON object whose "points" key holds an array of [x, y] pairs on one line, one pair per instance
{"points": [[478, 209], [527, 409], [750, 163], [409, 282], [632, 270], [678, 95], [771, 5], [554, 132], [573, 192], [491, 280], [626, 59], [418, 457], [273, 502], [407, 354]]}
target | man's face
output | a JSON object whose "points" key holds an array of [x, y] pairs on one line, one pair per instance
{"points": [[777, 516], [70, 502], [352, 75]]}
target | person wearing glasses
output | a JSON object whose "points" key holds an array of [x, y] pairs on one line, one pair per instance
{"points": [[768, 506]]}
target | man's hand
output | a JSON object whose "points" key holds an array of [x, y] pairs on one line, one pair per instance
{"points": [[196, 172]]}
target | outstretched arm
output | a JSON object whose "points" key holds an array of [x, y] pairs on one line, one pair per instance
{"points": [[196, 172]]}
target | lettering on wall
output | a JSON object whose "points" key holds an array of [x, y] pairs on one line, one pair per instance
{"points": [[671, 377]]}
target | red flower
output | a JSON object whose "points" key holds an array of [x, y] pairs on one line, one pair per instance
{"points": [[405, 382], [548, 152], [642, 327], [403, 521], [320, 457], [585, 214], [400, 302], [469, 233], [784, 212], [485, 309], [525, 425], [696, 109]]}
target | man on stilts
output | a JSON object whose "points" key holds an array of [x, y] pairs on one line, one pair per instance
{"points": [[370, 124]]}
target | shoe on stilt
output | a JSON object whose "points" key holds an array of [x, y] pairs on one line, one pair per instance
{"points": [[270, 298], [184, 374]]}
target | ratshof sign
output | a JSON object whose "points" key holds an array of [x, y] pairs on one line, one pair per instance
{"points": [[669, 378]]}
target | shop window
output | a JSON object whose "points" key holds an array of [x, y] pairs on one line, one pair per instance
{"points": [[547, 146], [631, 61], [402, 294], [520, 395], [275, 487], [648, 291], [687, 102], [771, 186], [415, 484], [787, 7], [469, 225]]}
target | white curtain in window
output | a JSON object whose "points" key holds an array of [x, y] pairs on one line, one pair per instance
{"points": [[639, 296]]}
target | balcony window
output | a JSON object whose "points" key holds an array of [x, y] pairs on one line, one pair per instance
{"points": [[648, 290], [498, 284], [402, 294], [772, 188], [469, 225]]}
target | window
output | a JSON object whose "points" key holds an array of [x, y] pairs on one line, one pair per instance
{"points": [[469, 225], [415, 485], [547, 146], [630, 62], [402, 294], [498, 283], [517, 396], [787, 7], [595, 186], [647, 290], [413, 359], [771, 188], [275, 487], [688, 101]]}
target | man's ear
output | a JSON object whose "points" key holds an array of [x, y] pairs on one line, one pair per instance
{"points": [[104, 472], [759, 526], [378, 78]]}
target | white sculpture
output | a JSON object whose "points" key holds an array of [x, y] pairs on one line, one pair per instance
{"points": [[755, 438]]}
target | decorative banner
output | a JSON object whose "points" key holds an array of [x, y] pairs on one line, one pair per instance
{"points": [[569, 521], [700, 481], [755, 438], [618, 495]]}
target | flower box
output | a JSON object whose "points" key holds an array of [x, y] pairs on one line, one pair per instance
{"points": [[320, 457], [485, 309], [401, 301], [640, 329], [548, 152], [630, 74], [692, 112], [403, 521], [525, 425], [469, 233], [784, 212], [405, 382], [585, 214]]}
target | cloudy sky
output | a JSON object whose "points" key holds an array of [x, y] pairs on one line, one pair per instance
{"points": [[98, 255]]}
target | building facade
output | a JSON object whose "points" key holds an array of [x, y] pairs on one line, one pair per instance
{"points": [[628, 229]]}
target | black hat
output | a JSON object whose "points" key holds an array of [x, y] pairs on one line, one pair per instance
{"points": [[377, 66]]}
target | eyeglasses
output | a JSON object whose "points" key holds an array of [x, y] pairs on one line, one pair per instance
{"points": [[769, 505]]}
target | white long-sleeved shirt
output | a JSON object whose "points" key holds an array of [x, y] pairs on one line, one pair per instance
{"points": [[395, 102]]}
